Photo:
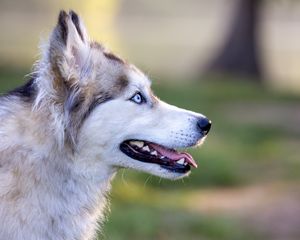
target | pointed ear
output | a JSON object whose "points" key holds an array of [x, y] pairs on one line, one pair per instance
{"points": [[69, 48], [81, 30]]}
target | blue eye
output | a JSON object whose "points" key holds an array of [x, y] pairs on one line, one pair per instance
{"points": [[138, 98]]}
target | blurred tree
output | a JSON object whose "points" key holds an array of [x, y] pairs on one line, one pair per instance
{"points": [[240, 53]]}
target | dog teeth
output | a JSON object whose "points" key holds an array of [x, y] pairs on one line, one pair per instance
{"points": [[181, 161], [137, 143], [146, 149], [154, 153]]}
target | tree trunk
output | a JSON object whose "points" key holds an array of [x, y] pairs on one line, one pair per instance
{"points": [[240, 53]]}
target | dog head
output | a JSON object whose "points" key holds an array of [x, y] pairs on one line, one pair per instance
{"points": [[108, 111]]}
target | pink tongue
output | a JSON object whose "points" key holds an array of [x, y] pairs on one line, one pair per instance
{"points": [[173, 155]]}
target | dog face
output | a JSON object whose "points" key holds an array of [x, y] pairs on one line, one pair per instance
{"points": [[111, 115]]}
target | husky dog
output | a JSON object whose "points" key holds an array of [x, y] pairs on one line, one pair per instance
{"points": [[84, 114]]}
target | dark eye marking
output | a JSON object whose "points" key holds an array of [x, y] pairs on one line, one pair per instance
{"points": [[97, 101], [122, 82], [79, 107]]}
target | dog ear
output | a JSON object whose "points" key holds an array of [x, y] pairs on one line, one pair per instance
{"points": [[69, 49]]}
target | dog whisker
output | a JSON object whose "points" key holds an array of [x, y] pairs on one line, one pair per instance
{"points": [[146, 181]]}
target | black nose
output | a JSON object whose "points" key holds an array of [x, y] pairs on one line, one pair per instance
{"points": [[204, 124]]}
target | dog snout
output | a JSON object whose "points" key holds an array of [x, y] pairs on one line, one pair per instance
{"points": [[204, 124]]}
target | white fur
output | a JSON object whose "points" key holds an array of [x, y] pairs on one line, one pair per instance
{"points": [[48, 191]]}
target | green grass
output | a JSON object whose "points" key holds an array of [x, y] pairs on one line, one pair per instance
{"points": [[236, 153], [11, 78], [135, 221]]}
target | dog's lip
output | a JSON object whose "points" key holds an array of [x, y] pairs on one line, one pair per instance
{"points": [[173, 154], [150, 152]]}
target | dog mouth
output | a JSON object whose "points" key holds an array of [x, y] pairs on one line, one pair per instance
{"points": [[170, 159]]}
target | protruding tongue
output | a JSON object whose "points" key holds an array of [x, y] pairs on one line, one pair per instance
{"points": [[173, 155]]}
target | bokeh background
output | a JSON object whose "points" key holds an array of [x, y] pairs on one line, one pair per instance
{"points": [[236, 61]]}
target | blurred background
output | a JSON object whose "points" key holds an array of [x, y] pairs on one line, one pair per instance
{"points": [[236, 61]]}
